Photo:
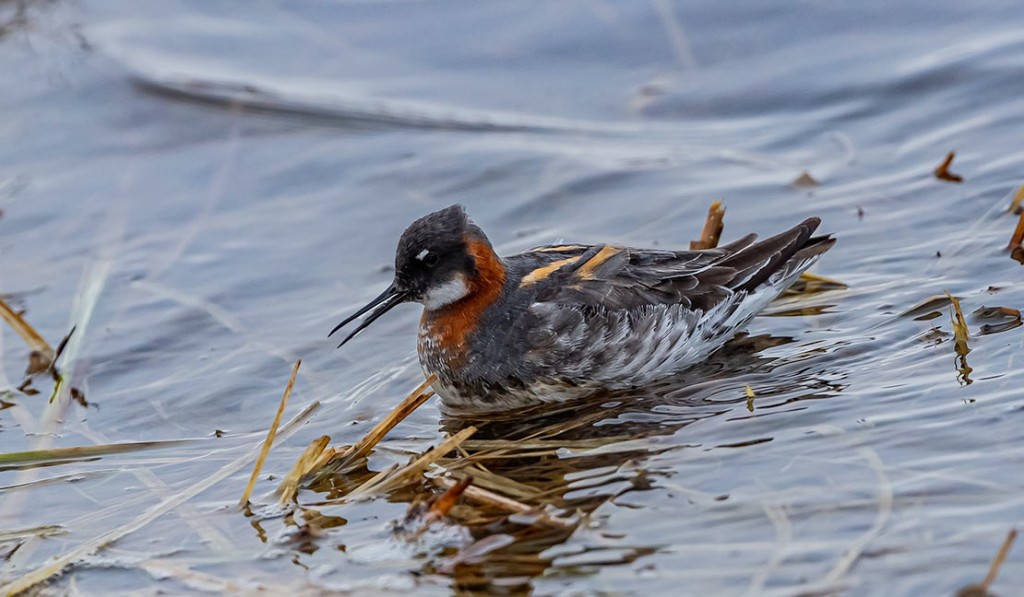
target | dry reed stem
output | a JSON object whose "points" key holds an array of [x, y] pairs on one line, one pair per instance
{"points": [[45, 530], [712, 231], [57, 564], [501, 502], [943, 173], [997, 562], [1018, 201], [378, 478], [1018, 234], [750, 397], [486, 479], [416, 467], [405, 408], [271, 433], [288, 488], [339, 459], [31, 337]]}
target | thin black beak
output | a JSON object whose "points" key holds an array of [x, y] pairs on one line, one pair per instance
{"points": [[383, 303]]}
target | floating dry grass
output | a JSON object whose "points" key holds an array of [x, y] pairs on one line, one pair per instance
{"points": [[311, 456], [343, 458], [713, 226], [267, 443], [942, 171], [928, 309], [960, 345], [1017, 203], [412, 471], [41, 457], [508, 504], [42, 355], [46, 530], [58, 564], [1016, 245], [960, 331], [805, 181], [1002, 319], [981, 589]]}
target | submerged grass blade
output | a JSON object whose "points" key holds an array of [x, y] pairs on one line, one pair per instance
{"points": [[809, 283], [59, 563], [267, 443], [46, 530], [77, 452]]}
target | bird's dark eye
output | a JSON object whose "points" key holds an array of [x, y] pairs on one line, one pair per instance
{"points": [[430, 259]]}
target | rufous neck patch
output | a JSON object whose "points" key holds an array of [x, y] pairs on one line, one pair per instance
{"points": [[449, 326]]}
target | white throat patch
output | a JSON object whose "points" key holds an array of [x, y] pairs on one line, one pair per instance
{"points": [[446, 293]]}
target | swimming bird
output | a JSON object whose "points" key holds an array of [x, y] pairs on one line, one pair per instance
{"points": [[560, 322]]}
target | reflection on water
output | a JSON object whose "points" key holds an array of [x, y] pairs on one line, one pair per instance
{"points": [[212, 232]]}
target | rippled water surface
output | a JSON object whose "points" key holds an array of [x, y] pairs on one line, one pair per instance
{"points": [[203, 189]]}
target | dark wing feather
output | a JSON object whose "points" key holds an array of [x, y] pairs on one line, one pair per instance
{"points": [[622, 278]]}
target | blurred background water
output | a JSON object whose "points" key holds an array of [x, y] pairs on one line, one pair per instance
{"points": [[205, 188]]}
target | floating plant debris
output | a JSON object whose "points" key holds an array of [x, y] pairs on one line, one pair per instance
{"points": [[1017, 241], [343, 458], [928, 308], [1017, 203], [981, 589], [943, 173], [713, 226], [805, 180], [809, 283], [42, 355], [1006, 318], [960, 334]]}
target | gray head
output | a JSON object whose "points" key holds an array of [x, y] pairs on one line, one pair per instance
{"points": [[435, 264]]}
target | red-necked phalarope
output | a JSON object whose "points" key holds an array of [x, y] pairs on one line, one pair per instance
{"points": [[562, 321]]}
